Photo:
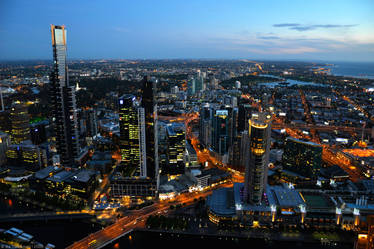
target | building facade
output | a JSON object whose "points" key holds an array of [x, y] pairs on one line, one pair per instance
{"points": [[132, 134], [257, 158], [302, 157], [20, 120], [176, 147], [63, 102]]}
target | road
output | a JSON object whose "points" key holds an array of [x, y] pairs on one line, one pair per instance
{"points": [[136, 219]]}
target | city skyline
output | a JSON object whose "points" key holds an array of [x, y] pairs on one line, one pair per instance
{"points": [[268, 152], [333, 31]]}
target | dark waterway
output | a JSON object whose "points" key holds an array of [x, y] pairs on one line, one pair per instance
{"points": [[140, 240]]}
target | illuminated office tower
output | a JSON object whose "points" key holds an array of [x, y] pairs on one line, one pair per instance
{"points": [[20, 121], [151, 135], [257, 158], [135, 122], [176, 147], [24, 155], [63, 102], [132, 134]]}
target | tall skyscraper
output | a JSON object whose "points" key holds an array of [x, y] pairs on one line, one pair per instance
{"points": [[176, 147], [206, 119], [132, 134], [63, 102], [191, 86], [245, 111], [150, 113], [138, 151], [258, 158], [20, 121], [220, 131]]}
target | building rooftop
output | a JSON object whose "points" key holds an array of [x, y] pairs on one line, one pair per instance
{"points": [[303, 141], [222, 202], [316, 201], [174, 129], [83, 175], [46, 172], [284, 196], [60, 176]]}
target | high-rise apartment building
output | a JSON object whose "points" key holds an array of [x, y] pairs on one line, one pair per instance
{"points": [[63, 102], [257, 158]]}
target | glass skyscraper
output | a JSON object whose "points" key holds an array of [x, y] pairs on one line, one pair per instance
{"points": [[176, 147], [132, 134], [63, 102], [220, 133]]}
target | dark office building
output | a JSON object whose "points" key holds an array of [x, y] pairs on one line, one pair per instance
{"points": [[20, 121], [206, 118], [245, 111], [302, 157], [63, 102], [38, 131], [220, 131], [5, 123], [257, 158], [233, 125], [150, 113], [91, 122]]}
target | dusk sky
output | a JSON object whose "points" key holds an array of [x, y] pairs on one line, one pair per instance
{"points": [[271, 29]]}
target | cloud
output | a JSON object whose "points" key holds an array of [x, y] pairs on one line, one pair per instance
{"points": [[299, 27], [283, 50], [271, 37], [286, 25]]}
